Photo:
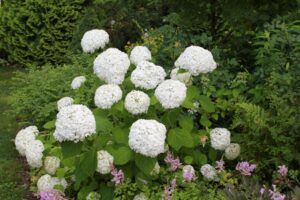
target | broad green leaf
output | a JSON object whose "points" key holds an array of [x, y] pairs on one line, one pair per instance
{"points": [[212, 155], [70, 149], [119, 106], [192, 92], [85, 190], [106, 192], [178, 138], [186, 123], [120, 135], [206, 103], [121, 155], [145, 164], [188, 160], [49, 125], [103, 124], [187, 103], [87, 166], [199, 158], [204, 121], [153, 100]]}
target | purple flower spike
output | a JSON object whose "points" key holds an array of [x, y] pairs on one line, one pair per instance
{"points": [[245, 168], [174, 163], [169, 190], [118, 176], [220, 165], [282, 170], [50, 195], [274, 195]]}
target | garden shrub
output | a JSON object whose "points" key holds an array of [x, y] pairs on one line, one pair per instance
{"points": [[36, 32]]}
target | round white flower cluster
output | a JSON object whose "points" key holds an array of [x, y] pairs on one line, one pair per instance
{"points": [[107, 95], [77, 82], [137, 102], [111, 66], [46, 182], [147, 137], [24, 137], [140, 53], [209, 172], [93, 196], [171, 93], [74, 123], [64, 102], [220, 138], [34, 153], [147, 75], [140, 197], [232, 151], [93, 40], [51, 164], [185, 77], [105, 162], [196, 60]]}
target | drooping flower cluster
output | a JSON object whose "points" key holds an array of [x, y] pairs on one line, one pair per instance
{"points": [[107, 95], [140, 197], [50, 195], [111, 66], [77, 82], [209, 172], [275, 195], [245, 168], [46, 182], [28, 146], [137, 102], [147, 75], [147, 137], [118, 176], [282, 170], [220, 138], [188, 173], [170, 189], [171, 93], [93, 196], [64, 102], [104, 162], [93, 40], [220, 165], [74, 123], [196, 60], [173, 163], [232, 151], [51, 164], [184, 77], [139, 54]]}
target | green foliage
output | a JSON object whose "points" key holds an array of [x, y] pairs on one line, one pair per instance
{"points": [[36, 32]]}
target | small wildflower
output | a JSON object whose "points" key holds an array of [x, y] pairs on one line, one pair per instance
{"points": [[274, 195], [220, 165], [245, 168], [50, 195], [203, 139], [282, 170], [188, 173], [174, 163], [118, 176], [169, 190]]}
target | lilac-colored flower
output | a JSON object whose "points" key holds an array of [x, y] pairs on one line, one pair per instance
{"points": [[245, 168], [282, 170], [50, 195], [118, 176], [188, 176], [169, 190], [274, 195], [262, 191], [220, 165], [174, 163]]}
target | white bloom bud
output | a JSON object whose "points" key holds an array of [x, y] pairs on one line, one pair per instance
{"points": [[137, 102], [105, 162], [107, 95], [51, 164], [77, 82], [64, 102], [93, 40], [209, 172], [220, 138], [140, 197], [93, 196], [46, 182], [24, 137], [138, 54], [232, 151]]}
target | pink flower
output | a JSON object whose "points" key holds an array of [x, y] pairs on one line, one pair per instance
{"points": [[188, 176], [274, 195], [174, 163], [169, 190], [245, 168], [220, 165], [283, 170], [50, 195], [118, 176]]}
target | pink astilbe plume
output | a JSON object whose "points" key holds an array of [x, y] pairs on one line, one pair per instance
{"points": [[245, 168], [282, 170], [174, 163], [220, 165], [169, 190], [274, 195], [118, 176], [50, 195]]}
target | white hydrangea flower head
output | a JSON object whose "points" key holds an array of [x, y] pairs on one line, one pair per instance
{"points": [[51, 164], [24, 137], [64, 102], [147, 75], [171, 93], [155, 170], [104, 162], [111, 66], [74, 123], [137, 102], [93, 196], [44, 183], [139, 54], [185, 77], [147, 137], [188, 168], [77, 82], [34, 153], [196, 60], [220, 138], [232, 151], [107, 95], [209, 172], [140, 197], [93, 40]]}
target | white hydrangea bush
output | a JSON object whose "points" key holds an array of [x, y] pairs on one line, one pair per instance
{"points": [[137, 126]]}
